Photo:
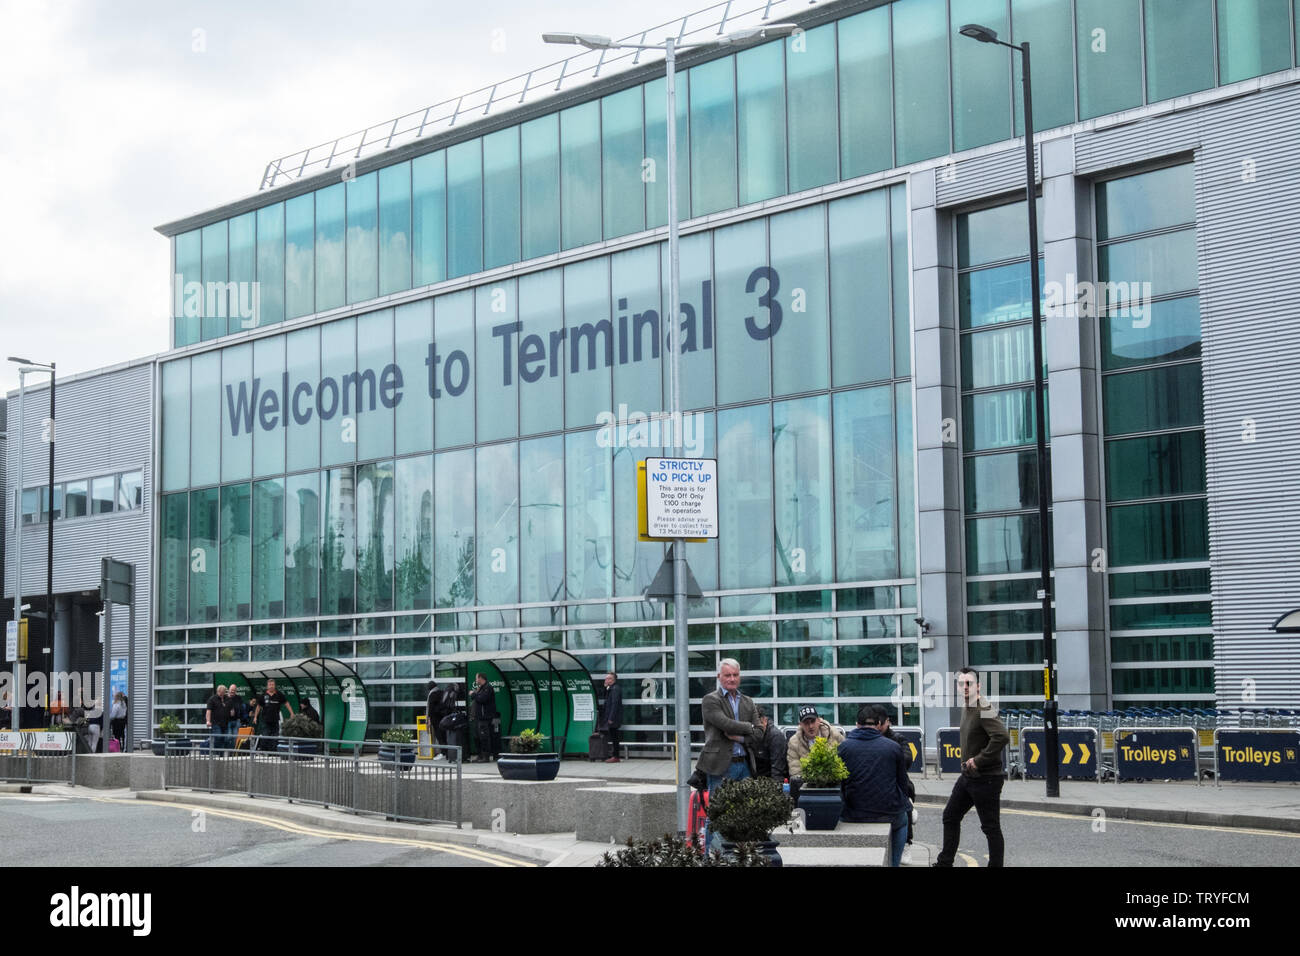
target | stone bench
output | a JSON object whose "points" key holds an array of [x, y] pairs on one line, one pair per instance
{"points": [[617, 813], [524, 806]]}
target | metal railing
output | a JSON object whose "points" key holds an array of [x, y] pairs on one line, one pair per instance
{"points": [[712, 21], [334, 774], [34, 766]]}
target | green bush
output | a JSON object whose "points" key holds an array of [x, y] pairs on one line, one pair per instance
{"points": [[396, 735], [823, 766], [300, 725], [169, 725], [677, 851], [528, 742], [747, 811]]}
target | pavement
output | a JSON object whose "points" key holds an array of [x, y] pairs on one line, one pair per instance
{"points": [[1266, 807]]}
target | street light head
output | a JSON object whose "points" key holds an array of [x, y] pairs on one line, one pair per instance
{"points": [[977, 32], [765, 31], [590, 40], [20, 361]]}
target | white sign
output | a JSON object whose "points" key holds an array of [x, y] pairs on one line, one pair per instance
{"points": [[357, 708], [10, 740], [584, 707], [525, 707], [11, 641], [52, 740], [681, 497]]}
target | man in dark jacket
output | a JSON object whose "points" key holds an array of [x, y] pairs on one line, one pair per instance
{"points": [[876, 790], [769, 755], [484, 700], [440, 702], [983, 737], [611, 714]]}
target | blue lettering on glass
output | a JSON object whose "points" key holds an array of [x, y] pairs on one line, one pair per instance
{"points": [[528, 357]]}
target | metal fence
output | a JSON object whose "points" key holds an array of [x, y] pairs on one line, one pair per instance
{"points": [[329, 773], [39, 767]]}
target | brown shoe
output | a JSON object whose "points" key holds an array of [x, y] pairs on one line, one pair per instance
{"points": [[613, 760]]}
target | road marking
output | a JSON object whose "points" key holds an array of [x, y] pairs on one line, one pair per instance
{"points": [[469, 853], [970, 860]]}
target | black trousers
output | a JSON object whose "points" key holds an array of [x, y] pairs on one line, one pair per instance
{"points": [[982, 793], [612, 732]]}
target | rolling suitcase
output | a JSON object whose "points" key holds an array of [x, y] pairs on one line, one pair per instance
{"points": [[598, 746]]}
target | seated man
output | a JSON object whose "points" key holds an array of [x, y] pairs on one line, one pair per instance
{"points": [[811, 726], [876, 790]]}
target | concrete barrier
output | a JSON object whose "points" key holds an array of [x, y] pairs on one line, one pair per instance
{"points": [[103, 771], [525, 806], [641, 812], [146, 772]]}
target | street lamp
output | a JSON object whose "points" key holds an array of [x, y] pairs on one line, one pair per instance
{"points": [[984, 35], [670, 46], [26, 366]]}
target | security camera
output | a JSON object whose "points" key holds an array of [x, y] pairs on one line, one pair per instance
{"points": [[923, 624]]}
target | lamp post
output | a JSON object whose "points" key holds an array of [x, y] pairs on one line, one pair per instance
{"points": [[985, 35], [681, 671], [26, 366]]}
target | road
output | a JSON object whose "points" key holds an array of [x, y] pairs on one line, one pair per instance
{"points": [[1044, 838], [56, 830]]}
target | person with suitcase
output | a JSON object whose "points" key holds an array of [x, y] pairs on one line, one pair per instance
{"points": [[611, 716], [483, 697]]}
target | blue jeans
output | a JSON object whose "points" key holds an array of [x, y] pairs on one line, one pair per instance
{"points": [[739, 770], [898, 836]]}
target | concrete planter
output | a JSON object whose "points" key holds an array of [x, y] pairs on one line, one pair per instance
{"points": [[536, 767]]}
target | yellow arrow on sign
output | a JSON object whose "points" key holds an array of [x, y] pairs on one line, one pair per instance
{"points": [[912, 747], [1068, 752], [1084, 753], [1033, 752]]}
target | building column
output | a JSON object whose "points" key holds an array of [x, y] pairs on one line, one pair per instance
{"points": [[1079, 593], [938, 457]]}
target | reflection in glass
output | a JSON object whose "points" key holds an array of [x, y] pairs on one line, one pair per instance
{"points": [[302, 544], [713, 137], [330, 251], [464, 208], [394, 228], [579, 184], [375, 535], [338, 541], [414, 532], [268, 548], [501, 197], [745, 514], [801, 453], [760, 114]]}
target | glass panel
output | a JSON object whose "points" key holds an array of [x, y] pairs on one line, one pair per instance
{"points": [[1142, 268], [1109, 38], [236, 552], [866, 141], [621, 154], [187, 304], [1163, 647], [541, 520], [1180, 47], [452, 360], [302, 444], [1125, 617], [1002, 545], [760, 109], [993, 296], [205, 418], [590, 343], [695, 319], [540, 179], [713, 136], [338, 541], [414, 532], [745, 513], [1001, 419], [175, 425], [268, 548], [637, 374], [465, 208], [363, 232], [270, 389], [76, 498], [1154, 200], [242, 302], [302, 518], [497, 538], [375, 534], [749, 296], [995, 234], [997, 356], [635, 562], [1153, 399], [579, 175], [270, 264], [376, 386], [497, 327], [501, 197], [1002, 482], [810, 76], [539, 352], [429, 218], [656, 149], [239, 400], [899, 265], [175, 559], [454, 529], [859, 264], [204, 569], [394, 228], [588, 516], [906, 488], [299, 255], [1155, 466], [801, 455], [865, 506], [920, 79], [330, 251], [800, 357], [1045, 24], [1001, 592], [1158, 532], [412, 341], [216, 271], [1160, 583], [338, 393], [981, 107]]}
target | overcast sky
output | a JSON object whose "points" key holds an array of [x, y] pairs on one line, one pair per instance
{"points": [[116, 117]]}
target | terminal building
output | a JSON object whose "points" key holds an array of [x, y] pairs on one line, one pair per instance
{"points": [[411, 377]]}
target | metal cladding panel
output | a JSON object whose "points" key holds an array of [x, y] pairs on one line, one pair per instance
{"points": [[989, 174], [1247, 154]]}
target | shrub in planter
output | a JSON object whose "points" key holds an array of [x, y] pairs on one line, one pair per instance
{"points": [[300, 736], [526, 761], [820, 797], [395, 747], [747, 811], [168, 727], [678, 851]]}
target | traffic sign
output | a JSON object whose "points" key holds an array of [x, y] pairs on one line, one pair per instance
{"points": [[116, 581], [16, 640], [1166, 754], [1076, 752], [680, 497]]}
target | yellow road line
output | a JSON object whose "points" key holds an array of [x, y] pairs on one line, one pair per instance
{"points": [[970, 860], [471, 853]]}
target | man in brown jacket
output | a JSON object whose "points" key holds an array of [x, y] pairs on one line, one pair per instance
{"points": [[730, 730], [983, 737], [811, 726]]}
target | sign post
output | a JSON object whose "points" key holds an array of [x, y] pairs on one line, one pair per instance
{"points": [[116, 586]]}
